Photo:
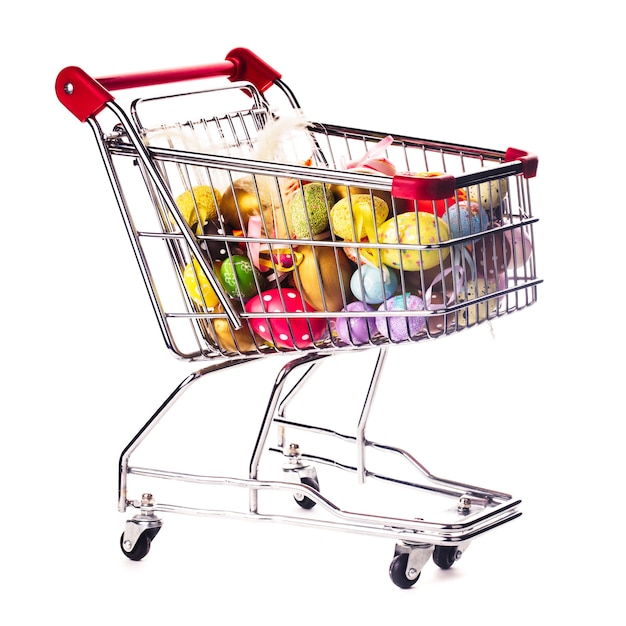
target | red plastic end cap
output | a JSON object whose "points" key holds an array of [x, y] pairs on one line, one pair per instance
{"points": [[80, 94], [529, 161], [426, 186], [250, 67]]}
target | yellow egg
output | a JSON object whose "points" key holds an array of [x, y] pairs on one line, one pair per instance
{"points": [[198, 205], [320, 276], [341, 191], [231, 340], [479, 311], [490, 194], [254, 195], [356, 214], [416, 229], [198, 286]]}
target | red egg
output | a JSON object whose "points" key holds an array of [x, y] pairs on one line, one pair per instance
{"points": [[285, 332]]}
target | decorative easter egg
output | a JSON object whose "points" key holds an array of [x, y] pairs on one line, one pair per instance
{"points": [[285, 331], [323, 275], [241, 340], [253, 196], [216, 247], [489, 252], [373, 284], [500, 251], [436, 277], [479, 311], [519, 247], [356, 330], [198, 286], [436, 324], [199, 204], [414, 228], [309, 210], [465, 218], [402, 327], [341, 192], [239, 277], [358, 214], [489, 194]]}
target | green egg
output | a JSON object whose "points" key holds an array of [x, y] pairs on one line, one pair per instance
{"points": [[238, 276]]}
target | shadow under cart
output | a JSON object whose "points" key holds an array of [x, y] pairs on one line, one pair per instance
{"points": [[467, 512]]}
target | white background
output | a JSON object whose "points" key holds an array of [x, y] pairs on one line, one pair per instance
{"points": [[535, 411]]}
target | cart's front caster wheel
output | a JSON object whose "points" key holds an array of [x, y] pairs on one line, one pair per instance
{"points": [[446, 556], [304, 501], [142, 545], [399, 574]]}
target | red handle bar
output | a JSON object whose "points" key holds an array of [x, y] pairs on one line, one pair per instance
{"points": [[85, 96]]}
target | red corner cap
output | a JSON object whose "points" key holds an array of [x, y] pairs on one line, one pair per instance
{"points": [[529, 161], [423, 186]]}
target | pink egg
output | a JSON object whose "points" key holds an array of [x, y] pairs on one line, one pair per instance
{"points": [[285, 332]]}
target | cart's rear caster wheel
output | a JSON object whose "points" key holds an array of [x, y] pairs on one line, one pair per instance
{"points": [[142, 545], [446, 556], [398, 573], [304, 501]]}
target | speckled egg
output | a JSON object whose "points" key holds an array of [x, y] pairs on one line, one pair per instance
{"points": [[401, 328], [414, 228], [285, 331], [478, 311], [489, 194], [309, 210], [356, 330], [466, 218], [373, 284]]}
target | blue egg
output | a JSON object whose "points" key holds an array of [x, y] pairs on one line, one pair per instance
{"points": [[466, 218], [373, 284]]}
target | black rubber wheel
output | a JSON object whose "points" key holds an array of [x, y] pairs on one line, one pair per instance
{"points": [[397, 572], [142, 546], [304, 501], [445, 556]]}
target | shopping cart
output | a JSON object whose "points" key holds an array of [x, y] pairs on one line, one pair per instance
{"points": [[261, 233]]}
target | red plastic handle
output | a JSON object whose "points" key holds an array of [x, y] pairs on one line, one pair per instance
{"points": [[85, 96], [424, 186]]}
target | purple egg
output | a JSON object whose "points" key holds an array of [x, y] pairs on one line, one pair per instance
{"points": [[356, 330], [401, 328]]}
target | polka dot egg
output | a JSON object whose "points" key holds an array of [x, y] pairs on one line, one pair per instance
{"points": [[284, 331]]}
